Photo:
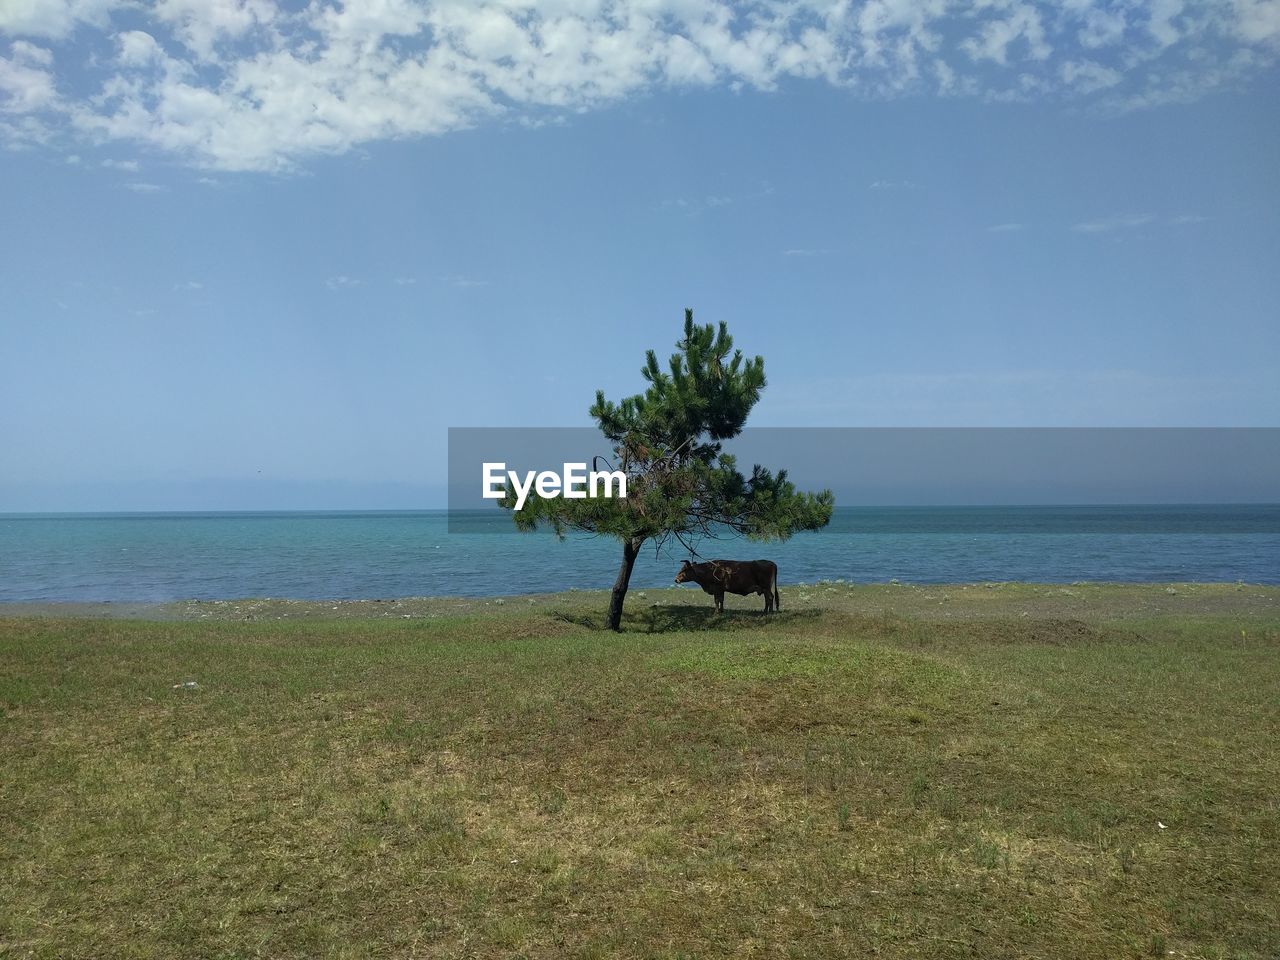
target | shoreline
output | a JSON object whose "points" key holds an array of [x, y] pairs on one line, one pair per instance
{"points": [[972, 600]]}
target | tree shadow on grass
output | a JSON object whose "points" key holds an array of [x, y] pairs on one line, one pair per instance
{"points": [[689, 618]]}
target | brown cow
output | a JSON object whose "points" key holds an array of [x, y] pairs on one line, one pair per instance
{"points": [[743, 577]]}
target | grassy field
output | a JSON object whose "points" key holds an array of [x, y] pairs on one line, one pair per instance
{"points": [[915, 772]]}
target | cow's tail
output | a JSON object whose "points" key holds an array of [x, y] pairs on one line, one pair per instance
{"points": [[777, 597]]}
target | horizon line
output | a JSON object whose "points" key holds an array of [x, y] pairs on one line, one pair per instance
{"points": [[30, 514]]}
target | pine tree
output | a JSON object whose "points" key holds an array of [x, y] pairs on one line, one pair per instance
{"points": [[680, 485]]}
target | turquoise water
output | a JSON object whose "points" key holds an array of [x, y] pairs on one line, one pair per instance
{"points": [[156, 557]]}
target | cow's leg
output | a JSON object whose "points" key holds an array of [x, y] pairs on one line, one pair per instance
{"points": [[720, 601], [768, 601]]}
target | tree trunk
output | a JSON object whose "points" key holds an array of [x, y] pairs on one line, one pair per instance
{"points": [[630, 550]]}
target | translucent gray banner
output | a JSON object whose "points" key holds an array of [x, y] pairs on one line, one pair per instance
{"points": [[950, 480]]}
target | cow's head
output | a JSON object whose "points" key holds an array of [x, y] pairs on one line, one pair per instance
{"points": [[684, 572]]}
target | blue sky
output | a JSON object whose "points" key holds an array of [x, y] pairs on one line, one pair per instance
{"points": [[263, 255]]}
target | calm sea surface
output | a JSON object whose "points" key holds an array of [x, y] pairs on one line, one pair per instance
{"points": [[171, 556]]}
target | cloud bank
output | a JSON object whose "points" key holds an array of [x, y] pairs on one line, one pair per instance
{"points": [[257, 85]]}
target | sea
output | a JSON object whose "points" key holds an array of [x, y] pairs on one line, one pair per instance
{"points": [[157, 557]]}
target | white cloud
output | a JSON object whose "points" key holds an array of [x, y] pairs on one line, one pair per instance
{"points": [[138, 49], [200, 25], [1085, 76], [145, 187], [190, 285], [1134, 220], [1109, 224], [696, 206], [1162, 24], [31, 53], [261, 85], [26, 80], [1101, 28], [1022, 26], [343, 283], [131, 166], [53, 19], [1258, 21]]}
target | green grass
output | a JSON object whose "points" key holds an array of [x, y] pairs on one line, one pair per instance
{"points": [[850, 778]]}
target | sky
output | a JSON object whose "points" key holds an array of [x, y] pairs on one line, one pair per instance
{"points": [[260, 254]]}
